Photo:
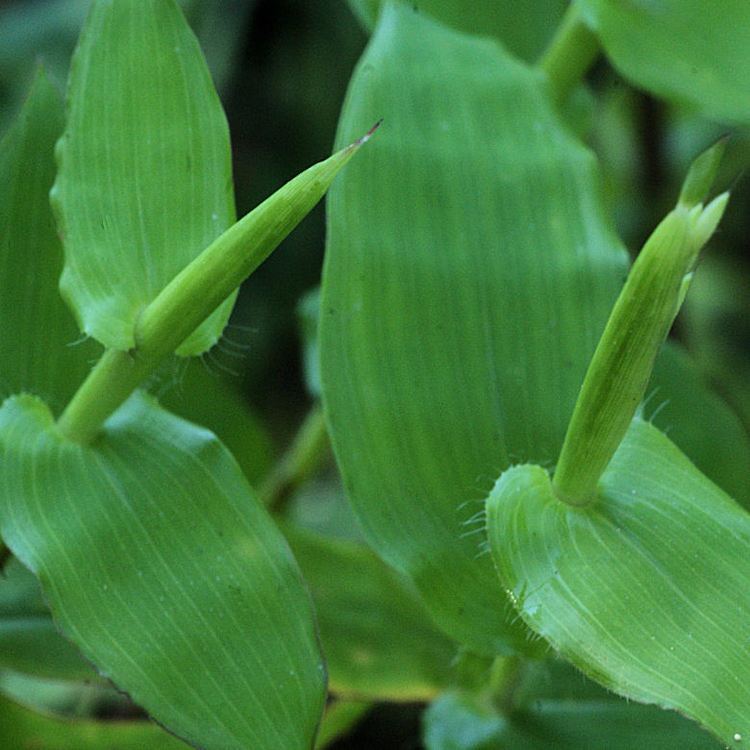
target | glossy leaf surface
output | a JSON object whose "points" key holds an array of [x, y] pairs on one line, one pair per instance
{"points": [[378, 640], [647, 590], [469, 273], [38, 350], [21, 728], [164, 569], [524, 26], [682, 50], [144, 181]]}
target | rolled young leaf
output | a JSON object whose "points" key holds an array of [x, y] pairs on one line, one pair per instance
{"points": [[647, 590], [144, 181], [162, 566]]}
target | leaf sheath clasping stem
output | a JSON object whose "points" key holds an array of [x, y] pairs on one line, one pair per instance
{"points": [[195, 293], [620, 369]]}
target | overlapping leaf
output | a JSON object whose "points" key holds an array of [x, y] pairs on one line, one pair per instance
{"points": [[39, 347], [29, 640], [524, 26], [378, 641], [144, 181], [647, 590], [165, 570], [684, 50], [22, 728], [468, 276]]}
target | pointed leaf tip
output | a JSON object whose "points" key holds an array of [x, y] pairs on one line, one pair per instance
{"points": [[369, 134], [702, 173]]}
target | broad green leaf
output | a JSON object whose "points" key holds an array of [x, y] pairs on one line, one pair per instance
{"points": [[29, 640], [377, 638], [21, 728], [699, 421], [647, 589], [682, 50], [159, 563], [39, 351], [144, 181], [524, 26], [469, 273]]}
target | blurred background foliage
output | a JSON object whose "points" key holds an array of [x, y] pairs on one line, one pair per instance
{"points": [[282, 68]]}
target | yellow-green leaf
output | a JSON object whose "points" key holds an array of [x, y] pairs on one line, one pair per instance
{"points": [[144, 181], [162, 566], [647, 590]]}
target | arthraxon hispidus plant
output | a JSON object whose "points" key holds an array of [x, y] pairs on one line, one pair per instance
{"points": [[473, 325]]}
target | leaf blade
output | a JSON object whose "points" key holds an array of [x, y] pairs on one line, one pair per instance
{"points": [[144, 179], [165, 570], [646, 591]]}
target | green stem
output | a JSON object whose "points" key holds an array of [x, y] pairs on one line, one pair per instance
{"points": [[5, 555], [572, 51], [621, 367], [194, 294], [505, 677], [304, 456]]}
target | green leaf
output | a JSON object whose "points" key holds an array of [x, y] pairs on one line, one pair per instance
{"points": [[144, 181], [29, 640], [210, 400], [469, 273], [377, 638], [22, 728], [681, 50], [164, 569], [457, 721], [38, 349], [699, 421], [524, 26], [647, 589]]}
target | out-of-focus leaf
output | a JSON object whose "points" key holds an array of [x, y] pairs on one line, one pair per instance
{"points": [[38, 331], [378, 640], [681, 50], [647, 590], [469, 273], [524, 26], [308, 315], [144, 181], [700, 422], [457, 721], [21, 728], [321, 506], [65, 698], [29, 640], [207, 399], [340, 717], [164, 569]]}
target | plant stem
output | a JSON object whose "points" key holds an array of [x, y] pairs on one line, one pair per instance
{"points": [[620, 369], [194, 294], [5, 555], [572, 51], [303, 457], [505, 678]]}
